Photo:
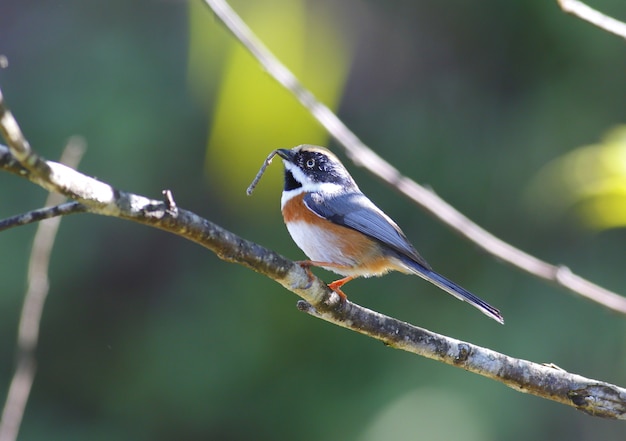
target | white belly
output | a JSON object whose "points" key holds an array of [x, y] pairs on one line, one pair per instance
{"points": [[315, 242]]}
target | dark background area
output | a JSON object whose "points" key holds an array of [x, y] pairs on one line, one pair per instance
{"points": [[148, 337]]}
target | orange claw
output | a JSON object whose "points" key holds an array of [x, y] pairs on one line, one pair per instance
{"points": [[337, 284]]}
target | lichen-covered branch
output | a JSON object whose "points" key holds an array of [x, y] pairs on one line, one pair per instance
{"points": [[547, 381]]}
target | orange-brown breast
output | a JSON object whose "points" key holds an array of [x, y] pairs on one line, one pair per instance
{"points": [[323, 240]]}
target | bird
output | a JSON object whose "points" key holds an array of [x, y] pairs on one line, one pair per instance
{"points": [[343, 231]]}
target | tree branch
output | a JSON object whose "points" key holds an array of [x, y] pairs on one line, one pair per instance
{"points": [[590, 396], [363, 156], [41, 214], [596, 18], [34, 300], [546, 381]]}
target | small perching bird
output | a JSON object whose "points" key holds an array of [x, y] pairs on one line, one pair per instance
{"points": [[341, 230]]}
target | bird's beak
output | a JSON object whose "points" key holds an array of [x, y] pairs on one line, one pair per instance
{"points": [[286, 154]]}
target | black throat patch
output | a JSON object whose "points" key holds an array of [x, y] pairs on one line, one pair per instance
{"points": [[290, 181]]}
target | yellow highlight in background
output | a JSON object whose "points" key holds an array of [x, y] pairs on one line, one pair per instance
{"points": [[590, 180], [251, 114]]}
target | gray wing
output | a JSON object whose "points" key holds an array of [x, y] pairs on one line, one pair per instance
{"points": [[356, 211]]}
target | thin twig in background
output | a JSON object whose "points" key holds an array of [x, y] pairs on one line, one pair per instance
{"points": [[362, 155], [32, 309], [597, 18], [590, 396], [41, 214]]}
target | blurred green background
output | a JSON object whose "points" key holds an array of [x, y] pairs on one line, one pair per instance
{"points": [[148, 337]]}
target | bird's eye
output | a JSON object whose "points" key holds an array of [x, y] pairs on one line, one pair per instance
{"points": [[310, 163]]}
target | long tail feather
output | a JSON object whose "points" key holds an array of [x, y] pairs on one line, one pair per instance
{"points": [[457, 291]]}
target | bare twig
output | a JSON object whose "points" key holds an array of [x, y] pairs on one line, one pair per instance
{"points": [[590, 396], [425, 198], [41, 214], [34, 300], [597, 18]]}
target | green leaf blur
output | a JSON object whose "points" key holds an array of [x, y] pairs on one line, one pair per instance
{"points": [[590, 180], [251, 113]]}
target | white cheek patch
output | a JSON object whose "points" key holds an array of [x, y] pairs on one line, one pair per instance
{"points": [[308, 186], [296, 171]]}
